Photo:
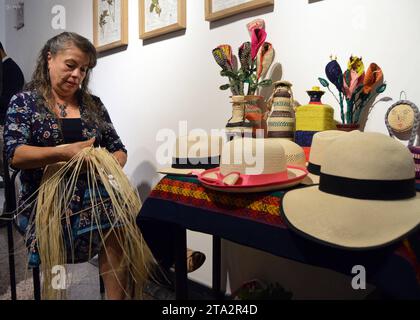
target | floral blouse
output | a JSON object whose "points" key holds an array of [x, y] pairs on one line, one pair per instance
{"points": [[29, 122]]}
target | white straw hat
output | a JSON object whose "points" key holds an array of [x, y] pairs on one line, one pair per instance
{"points": [[320, 142], [366, 197], [252, 165], [193, 154], [295, 155]]}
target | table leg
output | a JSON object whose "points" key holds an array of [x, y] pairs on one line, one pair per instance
{"points": [[180, 243], [217, 266]]}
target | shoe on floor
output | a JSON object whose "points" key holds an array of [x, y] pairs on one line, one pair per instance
{"points": [[195, 260]]}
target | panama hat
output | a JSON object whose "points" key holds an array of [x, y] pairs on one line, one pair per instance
{"points": [[320, 142], [193, 154], [295, 155], [266, 170], [366, 196]]}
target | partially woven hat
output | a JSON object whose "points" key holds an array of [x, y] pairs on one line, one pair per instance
{"points": [[252, 165], [366, 197]]}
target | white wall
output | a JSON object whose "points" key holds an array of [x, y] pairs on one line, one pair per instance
{"points": [[24, 44], [154, 85]]}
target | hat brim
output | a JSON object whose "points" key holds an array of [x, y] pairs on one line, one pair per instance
{"points": [[349, 223], [180, 172], [310, 179], [294, 175]]}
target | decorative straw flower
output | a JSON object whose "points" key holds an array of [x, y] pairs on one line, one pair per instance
{"points": [[255, 24], [265, 58], [351, 81], [356, 64], [335, 74], [245, 55], [258, 37], [373, 77], [353, 76], [221, 59], [227, 50]]}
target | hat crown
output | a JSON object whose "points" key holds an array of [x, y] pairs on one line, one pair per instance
{"points": [[295, 155], [253, 156], [368, 156], [197, 146], [320, 143]]}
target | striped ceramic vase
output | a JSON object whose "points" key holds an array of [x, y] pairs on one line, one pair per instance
{"points": [[281, 121]]}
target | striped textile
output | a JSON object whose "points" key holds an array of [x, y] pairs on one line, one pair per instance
{"points": [[261, 207]]}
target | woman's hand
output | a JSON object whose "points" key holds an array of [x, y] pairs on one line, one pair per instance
{"points": [[70, 150], [30, 157], [121, 157]]}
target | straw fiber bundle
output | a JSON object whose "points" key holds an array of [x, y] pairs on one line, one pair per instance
{"points": [[56, 191]]}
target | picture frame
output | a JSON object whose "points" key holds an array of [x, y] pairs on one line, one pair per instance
{"points": [[219, 9], [110, 24], [159, 17]]}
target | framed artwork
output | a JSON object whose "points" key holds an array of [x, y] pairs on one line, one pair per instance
{"points": [[110, 24], [158, 17], [219, 9]]}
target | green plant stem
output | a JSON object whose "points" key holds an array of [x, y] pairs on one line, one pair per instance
{"points": [[349, 113], [233, 86], [342, 106], [340, 102], [363, 103]]}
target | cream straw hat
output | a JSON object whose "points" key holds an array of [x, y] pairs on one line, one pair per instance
{"points": [[366, 197], [295, 155], [320, 143], [193, 154], [253, 165]]}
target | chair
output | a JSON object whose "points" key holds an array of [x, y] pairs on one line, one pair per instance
{"points": [[10, 208]]}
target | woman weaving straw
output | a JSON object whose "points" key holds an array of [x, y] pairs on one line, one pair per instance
{"points": [[57, 109]]}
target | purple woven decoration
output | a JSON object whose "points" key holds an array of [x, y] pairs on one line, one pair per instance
{"points": [[304, 138], [416, 156]]}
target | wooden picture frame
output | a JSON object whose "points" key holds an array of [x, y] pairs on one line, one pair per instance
{"points": [[226, 8], [158, 17], [110, 24]]}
